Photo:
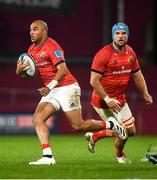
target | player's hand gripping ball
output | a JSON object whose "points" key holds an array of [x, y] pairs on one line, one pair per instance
{"points": [[30, 69]]}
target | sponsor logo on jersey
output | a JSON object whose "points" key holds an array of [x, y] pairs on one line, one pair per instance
{"points": [[58, 53], [125, 71], [130, 59], [42, 63], [42, 54], [115, 61]]}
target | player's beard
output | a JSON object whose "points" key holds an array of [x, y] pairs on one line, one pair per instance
{"points": [[119, 46], [120, 43]]}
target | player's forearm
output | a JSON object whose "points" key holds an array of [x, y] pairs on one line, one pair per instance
{"points": [[58, 77], [96, 84], [99, 88], [140, 83], [60, 74]]}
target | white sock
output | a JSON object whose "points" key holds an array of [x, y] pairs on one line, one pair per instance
{"points": [[108, 125], [47, 151]]}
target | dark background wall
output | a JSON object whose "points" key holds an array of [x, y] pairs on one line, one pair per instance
{"points": [[79, 32]]}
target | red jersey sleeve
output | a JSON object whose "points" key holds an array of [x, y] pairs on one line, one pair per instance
{"points": [[135, 64], [56, 53], [99, 61]]}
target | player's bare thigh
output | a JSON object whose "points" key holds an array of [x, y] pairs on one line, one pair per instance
{"points": [[75, 117], [43, 111]]}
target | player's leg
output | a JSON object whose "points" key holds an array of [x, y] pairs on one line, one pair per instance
{"points": [[75, 119], [128, 122], [46, 107], [120, 155], [119, 147], [69, 99], [78, 124], [92, 138], [43, 111]]}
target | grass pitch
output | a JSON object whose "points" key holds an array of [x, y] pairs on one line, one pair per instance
{"points": [[73, 159]]}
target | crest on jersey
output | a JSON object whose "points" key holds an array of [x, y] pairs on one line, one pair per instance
{"points": [[130, 59], [115, 61], [58, 53], [42, 54]]}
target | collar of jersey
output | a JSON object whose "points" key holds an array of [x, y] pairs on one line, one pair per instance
{"points": [[117, 50]]}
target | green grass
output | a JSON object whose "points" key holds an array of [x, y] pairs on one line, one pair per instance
{"points": [[73, 159]]}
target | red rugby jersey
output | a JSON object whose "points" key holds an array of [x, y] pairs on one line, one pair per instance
{"points": [[47, 56], [116, 68]]}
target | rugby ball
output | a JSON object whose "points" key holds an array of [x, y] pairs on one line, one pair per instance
{"points": [[31, 69]]}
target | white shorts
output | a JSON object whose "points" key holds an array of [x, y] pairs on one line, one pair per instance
{"points": [[124, 116], [65, 97]]}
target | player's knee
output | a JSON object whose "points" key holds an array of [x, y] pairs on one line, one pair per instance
{"points": [[130, 126], [117, 139], [131, 131], [77, 127], [36, 122]]}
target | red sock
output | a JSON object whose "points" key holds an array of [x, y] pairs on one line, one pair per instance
{"points": [[103, 134], [119, 153], [45, 146], [103, 124]]}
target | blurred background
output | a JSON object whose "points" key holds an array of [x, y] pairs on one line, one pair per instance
{"points": [[81, 27]]}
